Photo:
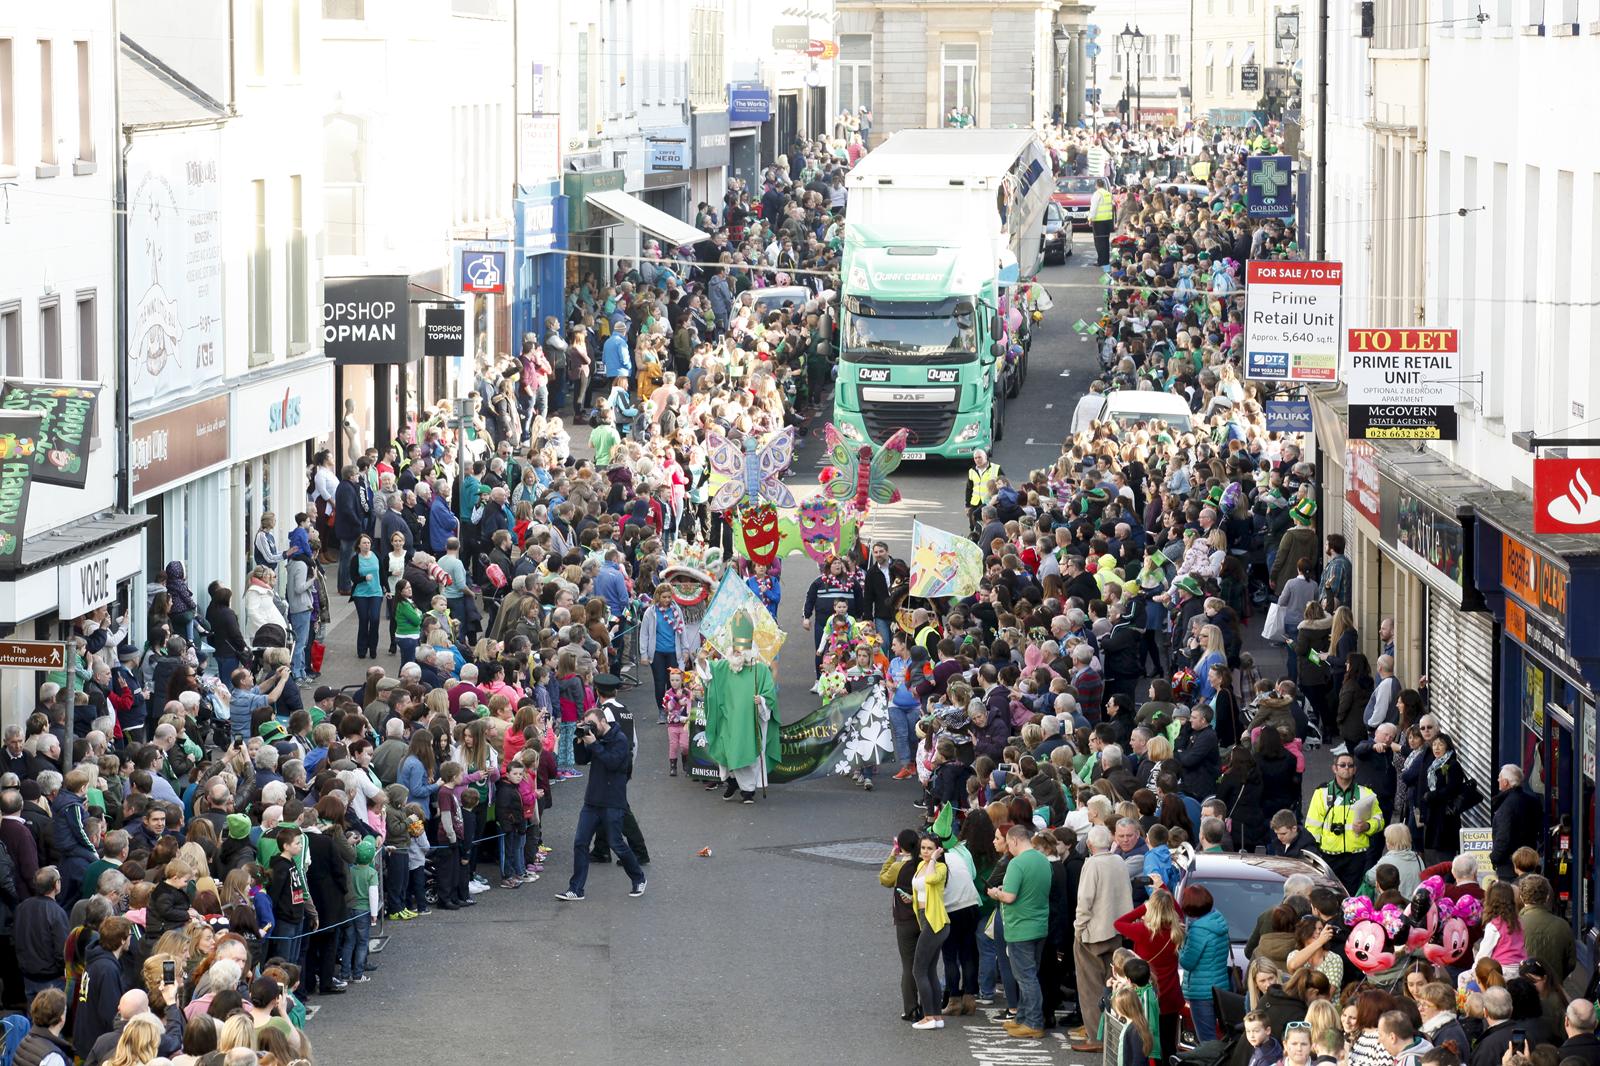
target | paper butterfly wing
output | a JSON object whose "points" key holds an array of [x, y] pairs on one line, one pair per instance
{"points": [[727, 495], [726, 457], [775, 456], [777, 493]]}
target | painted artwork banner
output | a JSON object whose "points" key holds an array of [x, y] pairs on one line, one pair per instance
{"points": [[942, 563], [838, 738], [174, 308], [67, 413]]}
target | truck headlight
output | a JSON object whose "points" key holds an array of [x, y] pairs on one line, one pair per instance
{"points": [[970, 433]]}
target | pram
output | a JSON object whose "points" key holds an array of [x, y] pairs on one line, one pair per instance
{"points": [[269, 637]]}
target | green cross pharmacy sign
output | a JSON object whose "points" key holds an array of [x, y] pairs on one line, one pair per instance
{"points": [[1269, 186]]}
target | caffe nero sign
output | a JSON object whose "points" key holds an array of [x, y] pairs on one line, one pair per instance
{"points": [[367, 320], [61, 453]]}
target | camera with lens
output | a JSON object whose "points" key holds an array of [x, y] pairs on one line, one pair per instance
{"points": [[1337, 828], [582, 730]]}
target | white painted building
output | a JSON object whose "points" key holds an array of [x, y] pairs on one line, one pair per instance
{"points": [[418, 140], [1230, 40], [1159, 84], [227, 390], [58, 170], [1519, 272]]}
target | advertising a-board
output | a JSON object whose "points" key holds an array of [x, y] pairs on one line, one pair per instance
{"points": [[1292, 316]]}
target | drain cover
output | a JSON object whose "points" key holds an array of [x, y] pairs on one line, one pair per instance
{"points": [[843, 852]]}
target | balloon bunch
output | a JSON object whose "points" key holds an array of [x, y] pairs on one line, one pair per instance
{"points": [[1441, 927], [1377, 934]]}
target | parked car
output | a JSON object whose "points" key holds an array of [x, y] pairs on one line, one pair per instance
{"points": [[1245, 886], [1055, 242], [1127, 406], [1073, 192], [777, 295]]}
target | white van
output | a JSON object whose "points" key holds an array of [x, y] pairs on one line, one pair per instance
{"points": [[1127, 406]]}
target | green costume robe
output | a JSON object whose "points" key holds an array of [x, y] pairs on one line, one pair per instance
{"points": [[733, 725]]}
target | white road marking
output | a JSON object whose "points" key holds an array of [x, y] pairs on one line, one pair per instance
{"points": [[1064, 374], [1041, 443], [1048, 406]]}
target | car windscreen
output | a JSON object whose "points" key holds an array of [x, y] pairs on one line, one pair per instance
{"points": [[1171, 418], [1243, 900], [907, 331], [1075, 185]]}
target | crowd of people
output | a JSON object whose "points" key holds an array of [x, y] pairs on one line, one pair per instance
{"points": [[1094, 722], [204, 841]]}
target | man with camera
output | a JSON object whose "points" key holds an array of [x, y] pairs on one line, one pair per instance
{"points": [[605, 798], [1343, 818]]}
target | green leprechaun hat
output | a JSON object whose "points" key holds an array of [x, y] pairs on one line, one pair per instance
{"points": [[1304, 512]]}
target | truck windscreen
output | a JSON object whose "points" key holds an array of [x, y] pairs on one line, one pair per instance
{"points": [[935, 336]]}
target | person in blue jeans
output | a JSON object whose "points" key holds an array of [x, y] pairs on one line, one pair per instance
{"points": [[366, 587], [361, 898], [905, 669], [513, 826], [605, 798], [1024, 897], [298, 588]]}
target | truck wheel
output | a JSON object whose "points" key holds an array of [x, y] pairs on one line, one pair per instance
{"points": [[998, 422]]}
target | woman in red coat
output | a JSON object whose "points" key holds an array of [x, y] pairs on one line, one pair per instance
{"points": [[1156, 930]]}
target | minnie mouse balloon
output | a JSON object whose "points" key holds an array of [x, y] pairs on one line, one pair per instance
{"points": [[1376, 936]]}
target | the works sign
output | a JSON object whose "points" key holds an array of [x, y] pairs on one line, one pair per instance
{"points": [[367, 320]]}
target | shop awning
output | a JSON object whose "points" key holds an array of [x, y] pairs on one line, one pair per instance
{"points": [[1211, 54], [1249, 53], [630, 208], [1227, 57]]}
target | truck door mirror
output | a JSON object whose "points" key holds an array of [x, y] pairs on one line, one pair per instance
{"points": [[997, 326], [997, 350]]}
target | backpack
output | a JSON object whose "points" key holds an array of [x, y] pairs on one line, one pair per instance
{"points": [[14, 1029]]}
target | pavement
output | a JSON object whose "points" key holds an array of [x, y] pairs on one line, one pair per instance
{"points": [[778, 947]]}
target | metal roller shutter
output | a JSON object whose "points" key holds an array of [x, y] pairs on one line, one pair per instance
{"points": [[1461, 673]]}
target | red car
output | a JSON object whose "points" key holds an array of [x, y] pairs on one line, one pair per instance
{"points": [[1073, 192]]}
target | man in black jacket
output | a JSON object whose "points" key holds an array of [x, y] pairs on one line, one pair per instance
{"points": [[1580, 1025], [349, 522], [101, 985], [610, 757], [1119, 650], [1289, 837], [880, 607], [1517, 818], [1198, 752]]}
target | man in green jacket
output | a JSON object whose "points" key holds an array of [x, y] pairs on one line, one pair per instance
{"points": [[1545, 936]]}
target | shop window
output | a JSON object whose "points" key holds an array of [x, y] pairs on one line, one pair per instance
{"points": [[88, 337], [297, 261], [11, 339], [855, 71], [260, 281], [344, 10], [50, 338], [47, 109]]}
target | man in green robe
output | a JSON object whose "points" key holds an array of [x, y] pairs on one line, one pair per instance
{"points": [[741, 704]]}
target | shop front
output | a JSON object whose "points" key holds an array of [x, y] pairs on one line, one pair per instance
{"points": [[179, 476], [60, 576], [274, 424], [669, 161], [373, 331], [1549, 660], [597, 201], [749, 108], [540, 214], [709, 131]]}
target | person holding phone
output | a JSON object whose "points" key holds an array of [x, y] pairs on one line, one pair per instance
{"points": [[896, 874]]}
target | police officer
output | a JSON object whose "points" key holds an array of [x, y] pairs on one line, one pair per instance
{"points": [[621, 719], [607, 751], [1102, 208], [1341, 823]]}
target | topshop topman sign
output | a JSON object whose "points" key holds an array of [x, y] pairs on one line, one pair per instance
{"points": [[367, 320]]}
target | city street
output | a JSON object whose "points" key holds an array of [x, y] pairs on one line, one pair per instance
{"points": [[777, 948]]}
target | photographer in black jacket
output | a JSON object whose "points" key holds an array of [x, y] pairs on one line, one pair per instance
{"points": [[609, 755]]}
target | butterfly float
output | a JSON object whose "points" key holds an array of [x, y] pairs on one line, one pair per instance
{"points": [[752, 471], [860, 473]]}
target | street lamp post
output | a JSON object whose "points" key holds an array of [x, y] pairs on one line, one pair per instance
{"points": [[1132, 41]]}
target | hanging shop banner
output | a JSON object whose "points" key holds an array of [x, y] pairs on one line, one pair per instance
{"points": [[1566, 495], [62, 454], [367, 320], [174, 288], [839, 737], [444, 332], [1402, 383], [1269, 185], [483, 271], [19, 440], [1292, 316], [1361, 481], [1431, 541], [171, 448], [1288, 416]]}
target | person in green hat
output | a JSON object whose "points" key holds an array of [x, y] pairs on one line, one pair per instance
{"points": [[238, 846], [362, 901], [1299, 541]]}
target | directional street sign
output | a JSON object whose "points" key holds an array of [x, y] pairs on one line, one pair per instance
{"points": [[32, 655]]}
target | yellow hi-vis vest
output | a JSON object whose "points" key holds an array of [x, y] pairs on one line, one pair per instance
{"points": [[1102, 206], [982, 482]]}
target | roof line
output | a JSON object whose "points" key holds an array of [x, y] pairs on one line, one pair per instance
{"points": [[161, 69]]}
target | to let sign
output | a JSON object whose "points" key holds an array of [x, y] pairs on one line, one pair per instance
{"points": [[32, 655], [1402, 383]]}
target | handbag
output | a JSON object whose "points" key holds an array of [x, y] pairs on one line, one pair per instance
{"points": [[1273, 632], [315, 654]]}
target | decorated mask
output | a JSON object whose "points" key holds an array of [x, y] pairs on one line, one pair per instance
{"points": [[821, 533], [691, 590], [758, 533]]}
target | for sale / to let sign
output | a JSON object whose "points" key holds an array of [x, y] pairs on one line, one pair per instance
{"points": [[1402, 384], [1292, 321]]}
